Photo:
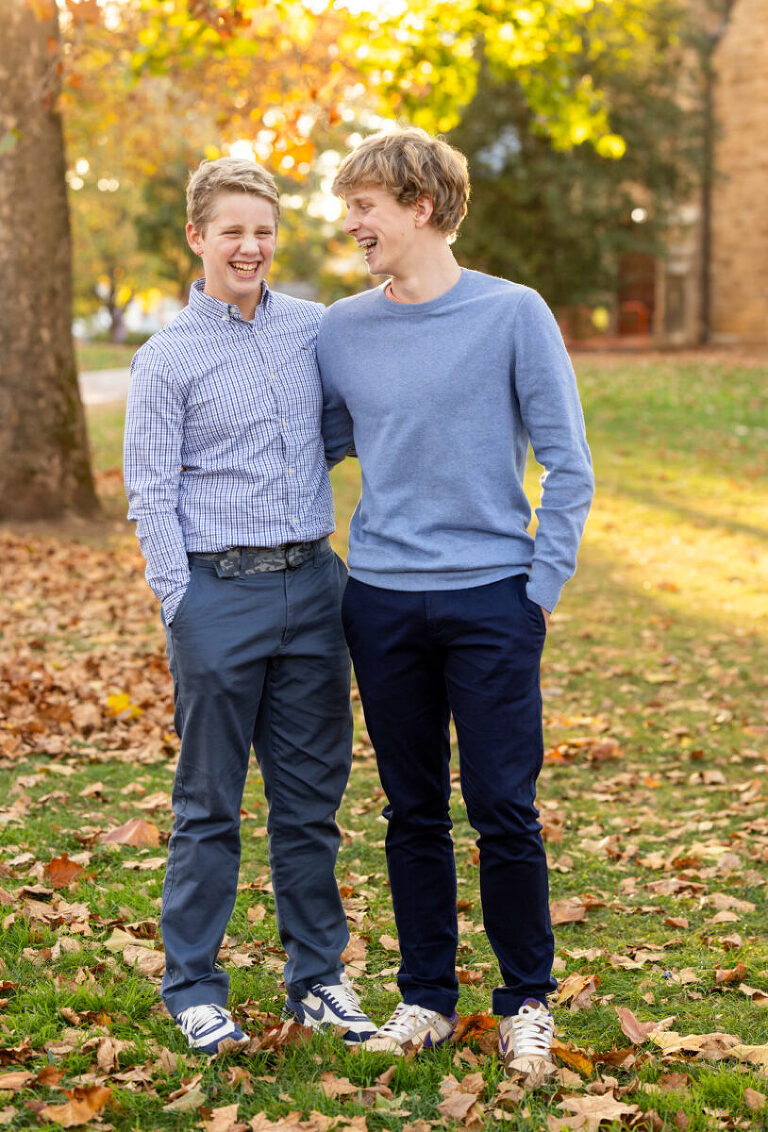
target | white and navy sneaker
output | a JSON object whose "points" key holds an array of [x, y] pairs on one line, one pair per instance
{"points": [[525, 1038], [206, 1027], [337, 1005], [412, 1028]]}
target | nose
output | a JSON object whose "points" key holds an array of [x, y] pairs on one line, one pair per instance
{"points": [[249, 242], [351, 224]]}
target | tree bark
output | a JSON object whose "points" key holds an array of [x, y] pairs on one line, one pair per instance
{"points": [[44, 459]]}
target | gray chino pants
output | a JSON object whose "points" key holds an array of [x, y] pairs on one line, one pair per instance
{"points": [[257, 659]]}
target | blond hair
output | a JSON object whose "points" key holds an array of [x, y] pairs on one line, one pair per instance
{"points": [[408, 164], [227, 175]]}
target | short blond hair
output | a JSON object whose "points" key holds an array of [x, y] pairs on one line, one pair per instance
{"points": [[408, 164], [227, 175]]}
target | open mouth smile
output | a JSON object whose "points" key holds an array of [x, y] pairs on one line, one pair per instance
{"points": [[245, 270]]}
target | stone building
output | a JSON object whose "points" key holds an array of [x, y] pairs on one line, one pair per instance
{"points": [[739, 245], [712, 286]]}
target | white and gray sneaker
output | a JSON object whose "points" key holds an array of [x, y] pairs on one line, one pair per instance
{"points": [[206, 1027], [337, 1005], [525, 1038], [412, 1027]]}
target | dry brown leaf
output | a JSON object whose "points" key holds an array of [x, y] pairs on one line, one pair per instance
{"points": [[315, 1122], [17, 1055], [60, 872], [571, 910], [712, 1046], [572, 1057], [388, 943], [334, 1086], [15, 1081], [86, 717], [286, 1034], [354, 955], [50, 1075], [146, 961], [754, 1100], [85, 1102], [619, 1058], [637, 1032], [189, 1100], [240, 1078], [759, 997], [731, 942], [223, 1119], [108, 1051], [752, 1055], [734, 975], [467, 977], [462, 1107], [134, 832], [723, 902], [595, 1110], [472, 1026], [576, 992]]}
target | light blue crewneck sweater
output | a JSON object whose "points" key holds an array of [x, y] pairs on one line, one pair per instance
{"points": [[441, 399]]}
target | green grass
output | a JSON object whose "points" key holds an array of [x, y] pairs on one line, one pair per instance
{"points": [[104, 355], [653, 793]]}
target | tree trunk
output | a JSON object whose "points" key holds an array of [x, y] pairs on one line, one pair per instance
{"points": [[44, 460]]}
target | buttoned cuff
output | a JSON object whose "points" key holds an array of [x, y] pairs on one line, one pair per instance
{"points": [[170, 604]]}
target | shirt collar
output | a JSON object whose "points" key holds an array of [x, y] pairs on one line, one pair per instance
{"points": [[216, 308]]}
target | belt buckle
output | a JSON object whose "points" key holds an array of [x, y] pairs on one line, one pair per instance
{"points": [[227, 564], [295, 556]]}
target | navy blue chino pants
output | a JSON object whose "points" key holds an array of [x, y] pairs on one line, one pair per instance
{"points": [[257, 659], [474, 653]]}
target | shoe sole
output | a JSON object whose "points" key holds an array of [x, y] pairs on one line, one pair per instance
{"points": [[389, 1045], [350, 1038]]}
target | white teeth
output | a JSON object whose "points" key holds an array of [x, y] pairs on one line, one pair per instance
{"points": [[366, 245], [248, 268]]}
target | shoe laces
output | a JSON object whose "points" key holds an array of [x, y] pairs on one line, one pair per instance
{"points": [[343, 995], [201, 1018], [406, 1017], [532, 1029]]}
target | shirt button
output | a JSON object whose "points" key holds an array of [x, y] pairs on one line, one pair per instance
{"points": [[294, 520], [290, 471], [225, 318], [233, 311], [284, 424]]}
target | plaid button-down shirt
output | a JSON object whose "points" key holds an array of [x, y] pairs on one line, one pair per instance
{"points": [[222, 435]]}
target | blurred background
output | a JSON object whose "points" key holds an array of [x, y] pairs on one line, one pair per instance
{"points": [[618, 153]]}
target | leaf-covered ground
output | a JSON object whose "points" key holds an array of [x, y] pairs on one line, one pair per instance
{"points": [[653, 801]]}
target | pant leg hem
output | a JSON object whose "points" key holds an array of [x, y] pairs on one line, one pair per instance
{"points": [[299, 990], [431, 1001], [506, 1001], [178, 1003]]}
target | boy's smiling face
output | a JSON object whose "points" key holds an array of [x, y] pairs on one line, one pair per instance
{"points": [[237, 248], [385, 230]]}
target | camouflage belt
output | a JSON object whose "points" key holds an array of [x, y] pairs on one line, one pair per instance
{"points": [[240, 560]]}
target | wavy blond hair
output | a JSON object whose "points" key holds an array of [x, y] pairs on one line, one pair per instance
{"points": [[227, 175], [408, 164]]}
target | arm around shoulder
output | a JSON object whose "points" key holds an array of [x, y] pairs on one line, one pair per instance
{"points": [[337, 428]]}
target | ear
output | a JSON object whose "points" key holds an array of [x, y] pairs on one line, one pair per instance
{"points": [[423, 210], [194, 239]]}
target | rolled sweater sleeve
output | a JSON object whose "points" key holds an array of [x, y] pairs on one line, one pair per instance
{"points": [[545, 386], [152, 470]]}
